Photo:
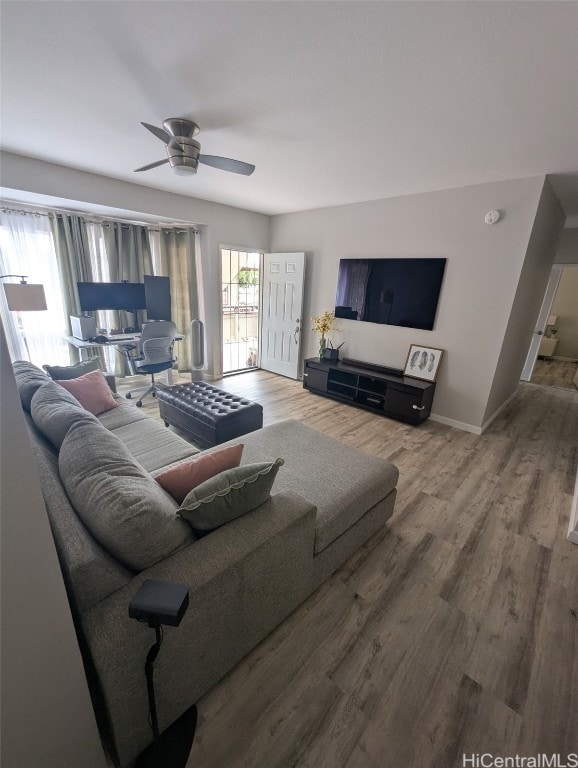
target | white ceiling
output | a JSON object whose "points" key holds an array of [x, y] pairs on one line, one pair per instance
{"points": [[334, 102]]}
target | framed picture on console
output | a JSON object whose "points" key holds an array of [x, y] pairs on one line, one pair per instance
{"points": [[423, 362]]}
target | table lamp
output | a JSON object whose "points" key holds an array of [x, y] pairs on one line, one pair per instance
{"points": [[23, 296]]}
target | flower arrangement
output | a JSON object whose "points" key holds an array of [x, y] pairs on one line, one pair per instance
{"points": [[323, 325]]}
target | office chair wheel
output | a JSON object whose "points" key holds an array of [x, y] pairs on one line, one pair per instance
{"points": [[139, 403], [154, 394], [128, 396]]}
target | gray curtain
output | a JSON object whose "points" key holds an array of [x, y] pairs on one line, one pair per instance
{"points": [[177, 251], [129, 258], [73, 258]]}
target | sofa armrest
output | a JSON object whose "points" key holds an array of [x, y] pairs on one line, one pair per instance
{"points": [[208, 558], [244, 579], [221, 549]]}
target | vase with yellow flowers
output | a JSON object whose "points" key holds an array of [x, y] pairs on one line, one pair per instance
{"points": [[323, 325]]}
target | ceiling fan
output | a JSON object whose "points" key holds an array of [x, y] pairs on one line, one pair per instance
{"points": [[184, 153]]}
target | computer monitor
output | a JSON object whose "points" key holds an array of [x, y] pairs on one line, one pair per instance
{"points": [[158, 297], [95, 296]]}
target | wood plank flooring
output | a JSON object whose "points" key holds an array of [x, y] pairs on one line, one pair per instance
{"points": [[555, 373], [453, 630]]}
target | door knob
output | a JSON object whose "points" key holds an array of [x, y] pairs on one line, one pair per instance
{"points": [[296, 332]]}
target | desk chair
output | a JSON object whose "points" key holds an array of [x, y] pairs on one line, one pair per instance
{"points": [[156, 354]]}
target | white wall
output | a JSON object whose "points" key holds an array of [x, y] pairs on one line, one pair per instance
{"points": [[222, 224], [566, 307], [480, 283], [47, 716], [530, 291], [567, 252]]}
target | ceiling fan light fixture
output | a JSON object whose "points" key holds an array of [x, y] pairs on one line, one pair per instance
{"points": [[184, 170]]}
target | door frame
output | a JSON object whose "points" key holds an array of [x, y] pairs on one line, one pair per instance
{"points": [[246, 249], [542, 321]]}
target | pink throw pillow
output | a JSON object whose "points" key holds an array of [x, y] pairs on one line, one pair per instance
{"points": [[91, 391], [183, 477]]}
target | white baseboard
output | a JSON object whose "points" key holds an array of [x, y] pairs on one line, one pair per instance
{"points": [[457, 424], [497, 412], [472, 427], [565, 359], [573, 528]]}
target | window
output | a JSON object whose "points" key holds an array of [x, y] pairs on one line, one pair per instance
{"points": [[27, 248]]}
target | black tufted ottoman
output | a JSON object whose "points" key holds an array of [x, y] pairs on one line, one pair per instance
{"points": [[207, 414]]}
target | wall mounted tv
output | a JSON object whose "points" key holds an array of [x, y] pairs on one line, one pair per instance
{"points": [[128, 296], [401, 292]]}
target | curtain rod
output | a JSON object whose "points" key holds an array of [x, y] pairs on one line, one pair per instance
{"points": [[94, 219], [6, 209]]}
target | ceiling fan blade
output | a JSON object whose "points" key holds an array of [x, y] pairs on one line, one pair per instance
{"points": [[158, 132], [226, 164], [152, 165]]}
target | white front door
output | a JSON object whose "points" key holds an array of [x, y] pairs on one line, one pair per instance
{"points": [[541, 322], [283, 278]]}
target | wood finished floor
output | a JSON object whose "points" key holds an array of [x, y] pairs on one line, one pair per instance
{"points": [[453, 630], [555, 373]]}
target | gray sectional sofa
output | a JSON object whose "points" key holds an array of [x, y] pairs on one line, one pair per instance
{"points": [[243, 578]]}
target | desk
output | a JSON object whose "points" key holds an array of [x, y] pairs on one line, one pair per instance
{"points": [[125, 344]]}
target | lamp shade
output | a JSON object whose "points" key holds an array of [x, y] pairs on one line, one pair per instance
{"points": [[25, 297]]}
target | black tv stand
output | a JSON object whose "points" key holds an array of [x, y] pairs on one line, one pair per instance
{"points": [[373, 367], [389, 394]]}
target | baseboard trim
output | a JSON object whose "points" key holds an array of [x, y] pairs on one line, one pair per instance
{"points": [[573, 527], [565, 359], [463, 425], [497, 412]]}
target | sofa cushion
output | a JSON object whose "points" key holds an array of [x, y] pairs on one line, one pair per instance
{"points": [[91, 573], [65, 372], [153, 445], [54, 411], [181, 478], [228, 495], [29, 378], [343, 482], [121, 505], [92, 391], [121, 416]]}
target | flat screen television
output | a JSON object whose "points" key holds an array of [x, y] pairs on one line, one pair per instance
{"points": [[128, 296], [402, 292], [158, 297]]}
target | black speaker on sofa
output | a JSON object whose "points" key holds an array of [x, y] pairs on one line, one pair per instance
{"points": [[159, 603]]}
